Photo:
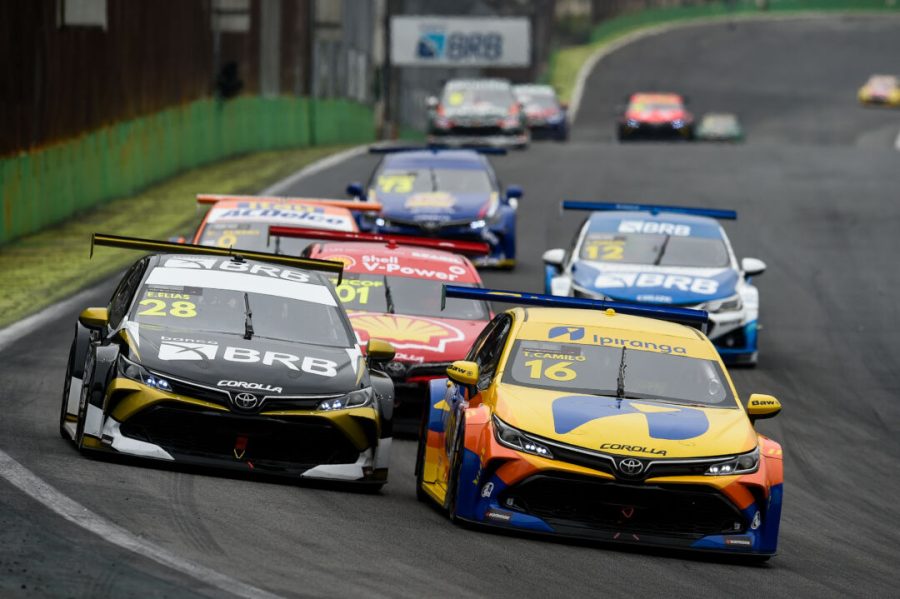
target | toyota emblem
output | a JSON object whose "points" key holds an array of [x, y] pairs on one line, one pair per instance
{"points": [[631, 466], [247, 401]]}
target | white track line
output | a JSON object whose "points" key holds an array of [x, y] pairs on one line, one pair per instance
{"points": [[897, 142], [74, 512], [29, 483], [316, 167]]}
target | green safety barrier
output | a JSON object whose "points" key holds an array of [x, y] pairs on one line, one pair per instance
{"points": [[47, 185]]}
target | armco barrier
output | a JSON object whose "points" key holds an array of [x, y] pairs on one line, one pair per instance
{"points": [[45, 186]]}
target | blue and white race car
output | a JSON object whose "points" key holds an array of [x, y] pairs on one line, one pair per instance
{"points": [[451, 194], [663, 255]]}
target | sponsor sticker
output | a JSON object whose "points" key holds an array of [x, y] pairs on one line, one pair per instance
{"points": [[406, 332], [498, 516], [619, 280]]}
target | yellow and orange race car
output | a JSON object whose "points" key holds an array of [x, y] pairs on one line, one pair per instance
{"points": [[601, 420], [881, 89]]}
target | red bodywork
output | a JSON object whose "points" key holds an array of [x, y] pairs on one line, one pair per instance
{"points": [[419, 340], [657, 109]]}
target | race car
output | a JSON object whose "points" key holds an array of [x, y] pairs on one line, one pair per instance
{"points": [[881, 89], [451, 194], [544, 113], [667, 256], [655, 116], [391, 289], [242, 221], [604, 421], [230, 359], [719, 126], [477, 111]]}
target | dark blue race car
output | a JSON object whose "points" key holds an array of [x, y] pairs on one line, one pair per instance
{"points": [[451, 194]]}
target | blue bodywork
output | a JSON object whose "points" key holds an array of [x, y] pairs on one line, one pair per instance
{"points": [[660, 286], [483, 217]]}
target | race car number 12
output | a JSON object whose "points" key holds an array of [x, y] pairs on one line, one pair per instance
{"points": [[157, 307]]}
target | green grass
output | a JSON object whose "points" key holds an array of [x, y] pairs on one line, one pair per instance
{"points": [[566, 62], [40, 269]]}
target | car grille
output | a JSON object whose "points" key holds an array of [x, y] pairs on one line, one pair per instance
{"points": [[674, 510], [270, 441], [477, 131], [186, 389]]}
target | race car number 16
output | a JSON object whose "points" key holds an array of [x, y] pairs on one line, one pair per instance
{"points": [[557, 371]]}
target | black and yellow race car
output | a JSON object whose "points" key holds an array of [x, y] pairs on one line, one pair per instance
{"points": [[233, 359]]}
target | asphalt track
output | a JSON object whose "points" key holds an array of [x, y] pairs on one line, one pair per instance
{"points": [[817, 190]]}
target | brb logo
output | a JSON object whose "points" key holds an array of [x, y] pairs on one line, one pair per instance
{"points": [[438, 44]]}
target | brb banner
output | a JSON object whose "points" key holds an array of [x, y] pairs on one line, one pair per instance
{"points": [[450, 42]]}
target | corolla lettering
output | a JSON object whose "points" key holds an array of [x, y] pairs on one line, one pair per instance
{"points": [[634, 448], [246, 385]]}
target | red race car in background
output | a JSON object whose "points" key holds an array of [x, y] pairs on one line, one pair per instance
{"points": [[656, 116], [242, 222], [392, 290]]}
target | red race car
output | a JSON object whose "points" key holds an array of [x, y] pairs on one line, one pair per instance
{"points": [[392, 290], [658, 116]]}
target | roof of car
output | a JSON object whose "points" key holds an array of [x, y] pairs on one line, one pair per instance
{"points": [[662, 97], [607, 328]]}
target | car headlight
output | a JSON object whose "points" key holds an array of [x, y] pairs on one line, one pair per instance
{"points": [[728, 304], [633, 123], [138, 373], [677, 124], [516, 439], [442, 122], [510, 122], [354, 399], [477, 224], [745, 463]]}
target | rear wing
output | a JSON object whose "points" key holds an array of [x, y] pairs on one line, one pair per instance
{"points": [[150, 245], [470, 248], [211, 198], [692, 318], [651, 208], [435, 148]]}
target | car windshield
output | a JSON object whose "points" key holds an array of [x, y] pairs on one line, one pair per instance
{"points": [[225, 311], [597, 370], [537, 99], [405, 295], [437, 179], [476, 95], [252, 237], [642, 106], [656, 249]]}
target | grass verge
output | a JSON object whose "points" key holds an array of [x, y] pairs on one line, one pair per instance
{"points": [[41, 269], [566, 62]]}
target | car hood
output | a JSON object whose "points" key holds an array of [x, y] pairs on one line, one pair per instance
{"points": [[656, 116], [627, 427], [674, 285], [435, 206], [418, 339], [222, 360]]}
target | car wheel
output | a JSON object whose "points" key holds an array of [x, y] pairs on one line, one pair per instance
{"points": [[421, 495], [67, 388], [455, 468], [86, 382]]}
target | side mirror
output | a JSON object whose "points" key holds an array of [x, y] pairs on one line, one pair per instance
{"points": [[355, 190], [432, 102], [554, 257], [94, 318], [514, 192], [463, 372], [379, 351], [753, 267], [761, 406]]}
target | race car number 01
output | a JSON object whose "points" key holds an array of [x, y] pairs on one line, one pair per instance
{"points": [[178, 309], [557, 371]]}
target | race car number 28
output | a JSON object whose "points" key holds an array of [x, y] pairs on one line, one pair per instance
{"points": [[158, 307]]}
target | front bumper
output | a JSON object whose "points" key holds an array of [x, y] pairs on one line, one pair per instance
{"points": [[737, 343], [303, 443], [734, 515], [493, 236], [655, 131]]}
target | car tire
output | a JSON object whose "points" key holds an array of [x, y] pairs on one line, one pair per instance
{"points": [[67, 389], [455, 469], [421, 495]]}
